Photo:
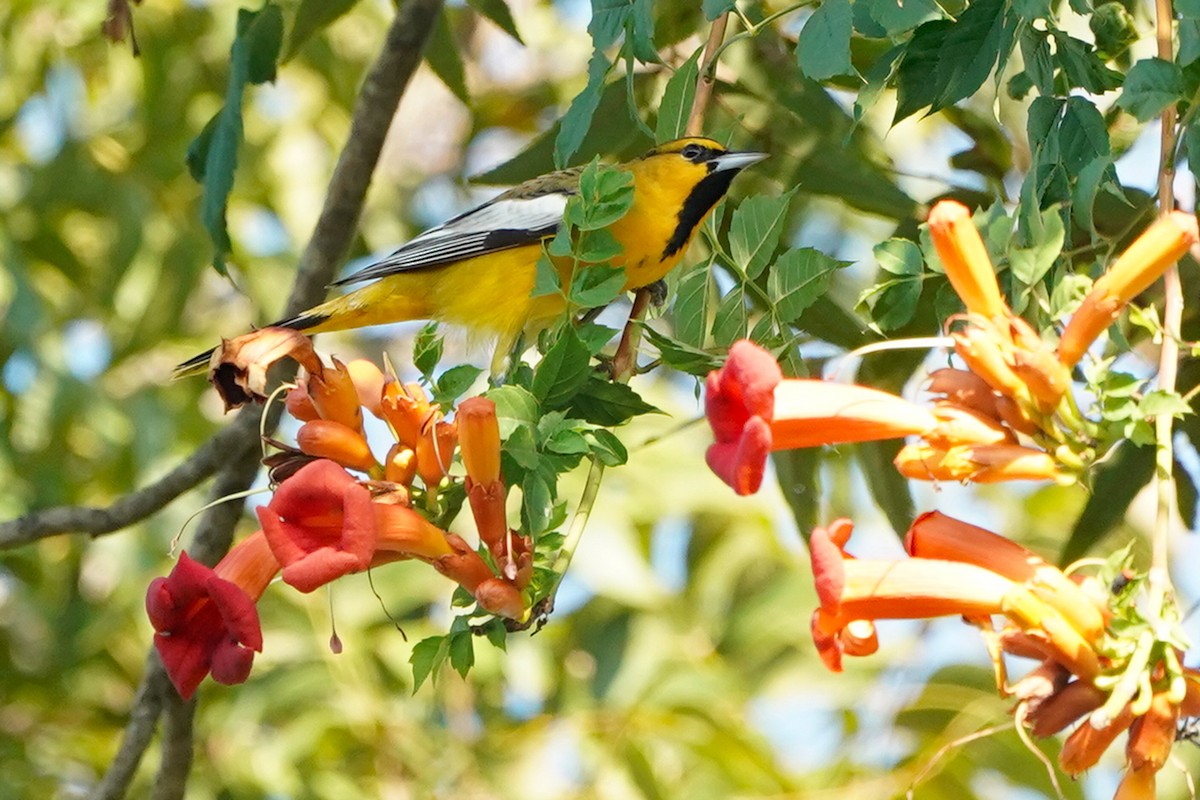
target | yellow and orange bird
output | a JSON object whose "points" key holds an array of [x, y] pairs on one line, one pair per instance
{"points": [[477, 270]]}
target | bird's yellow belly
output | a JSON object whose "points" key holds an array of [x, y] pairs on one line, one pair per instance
{"points": [[492, 293]]}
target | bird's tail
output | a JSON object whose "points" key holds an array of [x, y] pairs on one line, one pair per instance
{"points": [[375, 304]]}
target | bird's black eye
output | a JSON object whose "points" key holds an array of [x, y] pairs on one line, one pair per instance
{"points": [[692, 152]]}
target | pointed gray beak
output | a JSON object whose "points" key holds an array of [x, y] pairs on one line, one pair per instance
{"points": [[736, 160]]}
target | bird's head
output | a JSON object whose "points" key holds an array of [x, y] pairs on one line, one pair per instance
{"points": [[708, 154], [689, 176]]}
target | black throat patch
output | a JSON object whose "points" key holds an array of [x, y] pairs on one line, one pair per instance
{"points": [[706, 194]]}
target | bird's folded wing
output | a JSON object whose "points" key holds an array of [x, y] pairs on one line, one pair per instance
{"points": [[501, 224]]}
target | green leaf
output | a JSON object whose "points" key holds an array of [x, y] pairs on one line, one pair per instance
{"points": [[197, 152], [799, 480], [547, 280], [462, 652], [1151, 85], [889, 489], [427, 655], [562, 371], [261, 35], [1029, 265], [732, 319], [1189, 41], [1156, 403], [597, 285], [607, 447], [823, 50], [677, 100], [575, 123], [498, 12], [1114, 484], [536, 502], [597, 247], [755, 229], [899, 16], [798, 278], [715, 8], [899, 257], [608, 21], [313, 16], [1082, 134], [427, 350], [568, 442], [595, 336], [213, 154], [893, 303], [443, 58], [515, 402], [970, 51], [602, 402], [1081, 66], [605, 195], [521, 447], [690, 311], [1039, 61], [681, 356], [639, 34], [454, 382], [1185, 495]]}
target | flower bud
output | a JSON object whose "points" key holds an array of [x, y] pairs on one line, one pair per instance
{"points": [[965, 259], [300, 405], [325, 438], [400, 465], [964, 388], [958, 425], [1138, 783], [501, 598], [479, 439], [1086, 744], [334, 395], [368, 382], [990, 463], [1152, 735], [435, 451], [406, 409], [1150, 255]]}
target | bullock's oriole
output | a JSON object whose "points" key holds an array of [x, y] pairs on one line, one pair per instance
{"points": [[478, 269]]}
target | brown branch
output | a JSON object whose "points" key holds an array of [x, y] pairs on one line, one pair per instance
{"points": [[178, 747], [327, 249], [331, 239], [133, 507], [625, 360], [139, 730], [704, 85]]}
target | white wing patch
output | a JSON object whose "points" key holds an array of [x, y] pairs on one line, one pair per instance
{"points": [[498, 225]]}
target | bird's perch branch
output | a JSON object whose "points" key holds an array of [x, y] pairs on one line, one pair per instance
{"points": [[331, 239], [625, 360]]}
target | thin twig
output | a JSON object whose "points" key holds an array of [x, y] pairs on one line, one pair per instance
{"points": [[331, 239], [1168, 362], [704, 85]]}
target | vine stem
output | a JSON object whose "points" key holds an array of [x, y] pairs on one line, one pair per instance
{"points": [[625, 361], [1160, 581]]}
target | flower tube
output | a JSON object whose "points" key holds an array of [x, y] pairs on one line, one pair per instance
{"points": [[1150, 255], [753, 410], [965, 259]]}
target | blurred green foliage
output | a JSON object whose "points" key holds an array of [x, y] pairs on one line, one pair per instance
{"points": [[681, 667]]}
